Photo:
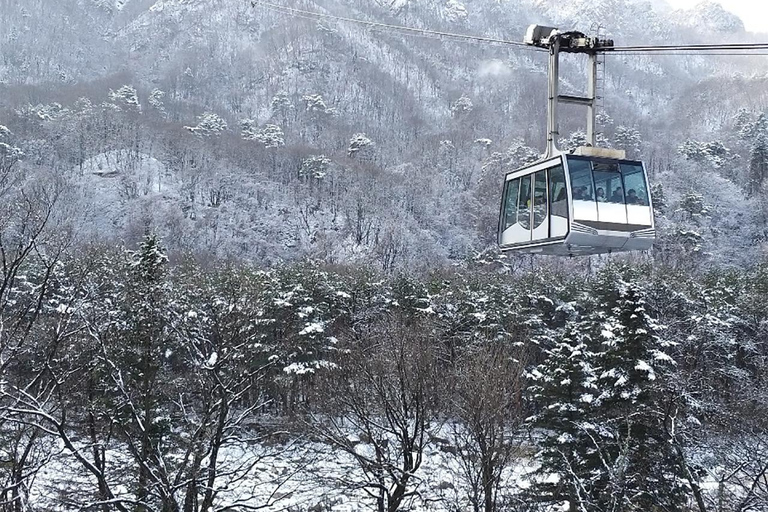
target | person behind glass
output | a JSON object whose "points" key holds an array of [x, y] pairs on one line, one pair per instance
{"points": [[600, 194], [617, 196], [632, 197]]}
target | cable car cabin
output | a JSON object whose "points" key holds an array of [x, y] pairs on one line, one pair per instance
{"points": [[577, 205]]}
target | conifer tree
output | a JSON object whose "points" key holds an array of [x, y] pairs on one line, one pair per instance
{"points": [[563, 389], [639, 461], [136, 360]]}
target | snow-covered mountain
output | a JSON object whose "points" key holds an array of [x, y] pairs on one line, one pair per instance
{"points": [[709, 17], [444, 118]]}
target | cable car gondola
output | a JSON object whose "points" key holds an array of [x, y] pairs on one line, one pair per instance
{"points": [[591, 201]]}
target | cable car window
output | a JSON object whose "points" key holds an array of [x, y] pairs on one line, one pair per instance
{"points": [[523, 206], [558, 200], [558, 195], [608, 184], [540, 198], [634, 184], [581, 179], [510, 202]]}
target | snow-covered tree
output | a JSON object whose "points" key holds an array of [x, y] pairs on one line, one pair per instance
{"points": [[714, 152], [742, 122], [139, 359], [358, 144], [384, 403], [519, 153], [693, 205], [455, 11], [209, 125], [461, 107], [156, 101], [758, 160], [10, 154], [125, 97], [642, 467], [282, 107], [603, 119], [44, 112], [248, 129], [659, 198], [628, 139], [318, 113], [563, 389], [487, 399], [271, 136], [314, 167], [748, 126], [315, 105], [576, 140]]}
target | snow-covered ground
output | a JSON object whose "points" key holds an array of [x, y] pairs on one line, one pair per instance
{"points": [[295, 476]]}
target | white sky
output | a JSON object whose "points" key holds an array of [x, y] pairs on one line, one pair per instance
{"points": [[754, 13]]}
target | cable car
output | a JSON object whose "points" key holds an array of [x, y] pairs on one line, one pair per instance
{"points": [[591, 202]]}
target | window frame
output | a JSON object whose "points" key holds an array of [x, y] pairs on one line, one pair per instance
{"points": [[626, 207], [520, 199], [551, 199], [534, 180], [505, 203], [530, 171], [643, 175]]}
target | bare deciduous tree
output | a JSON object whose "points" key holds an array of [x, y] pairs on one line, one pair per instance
{"points": [[381, 405], [489, 409]]}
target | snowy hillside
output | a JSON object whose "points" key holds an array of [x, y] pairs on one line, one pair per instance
{"points": [[248, 261], [442, 117]]}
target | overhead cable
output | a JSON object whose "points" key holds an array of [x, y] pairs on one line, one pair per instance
{"points": [[688, 48], [724, 49], [683, 53], [301, 13]]}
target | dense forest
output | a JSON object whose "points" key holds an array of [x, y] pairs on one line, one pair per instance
{"points": [[131, 382], [248, 262]]}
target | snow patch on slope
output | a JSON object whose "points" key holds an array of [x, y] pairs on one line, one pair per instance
{"points": [[117, 187]]}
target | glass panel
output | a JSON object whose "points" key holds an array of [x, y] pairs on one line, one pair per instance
{"points": [[608, 184], [523, 206], [540, 199], [558, 195], [581, 179], [510, 202], [582, 187], [558, 200], [634, 184]]}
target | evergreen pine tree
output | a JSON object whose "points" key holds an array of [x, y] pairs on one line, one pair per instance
{"points": [[641, 465], [563, 389], [142, 342]]}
